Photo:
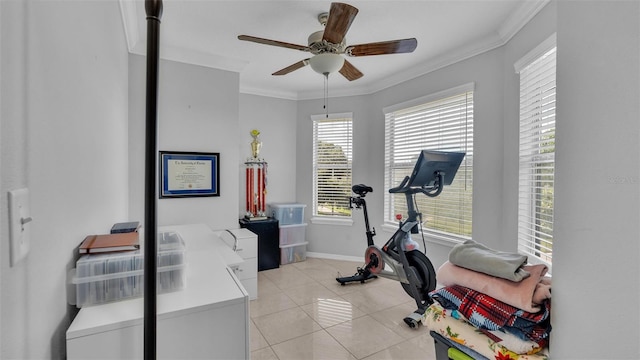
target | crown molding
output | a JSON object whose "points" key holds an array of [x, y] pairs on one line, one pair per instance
{"points": [[450, 58], [286, 95], [201, 58], [440, 62], [130, 23], [520, 18]]}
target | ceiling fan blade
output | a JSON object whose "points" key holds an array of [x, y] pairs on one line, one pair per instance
{"points": [[340, 18], [272, 42], [350, 72], [293, 67], [383, 47]]}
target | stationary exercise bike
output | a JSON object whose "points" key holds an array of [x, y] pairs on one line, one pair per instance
{"points": [[399, 259]]}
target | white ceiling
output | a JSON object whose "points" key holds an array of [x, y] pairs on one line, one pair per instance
{"points": [[204, 32]]}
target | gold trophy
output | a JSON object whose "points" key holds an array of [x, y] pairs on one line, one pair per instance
{"points": [[255, 144], [256, 181]]}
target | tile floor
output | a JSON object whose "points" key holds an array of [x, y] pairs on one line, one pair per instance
{"points": [[302, 312]]}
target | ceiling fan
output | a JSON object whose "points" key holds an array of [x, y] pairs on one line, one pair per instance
{"points": [[328, 45]]}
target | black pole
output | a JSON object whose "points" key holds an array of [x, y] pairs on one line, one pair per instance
{"points": [[154, 13]]}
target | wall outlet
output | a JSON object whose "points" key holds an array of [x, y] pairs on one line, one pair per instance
{"points": [[19, 224]]}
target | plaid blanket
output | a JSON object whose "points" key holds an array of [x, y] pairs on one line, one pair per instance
{"points": [[460, 333], [485, 312]]}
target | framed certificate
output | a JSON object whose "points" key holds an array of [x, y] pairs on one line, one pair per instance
{"points": [[189, 174]]}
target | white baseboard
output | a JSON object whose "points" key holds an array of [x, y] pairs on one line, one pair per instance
{"points": [[335, 257]]}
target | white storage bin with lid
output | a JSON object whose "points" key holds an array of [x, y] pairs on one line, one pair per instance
{"points": [[293, 253], [107, 277], [292, 234], [288, 214]]}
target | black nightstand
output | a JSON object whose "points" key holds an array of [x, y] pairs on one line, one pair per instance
{"points": [[268, 241]]}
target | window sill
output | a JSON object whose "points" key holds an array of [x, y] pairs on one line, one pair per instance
{"points": [[331, 221]]}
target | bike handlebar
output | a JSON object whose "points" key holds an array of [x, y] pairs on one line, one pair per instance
{"points": [[400, 188], [431, 191]]}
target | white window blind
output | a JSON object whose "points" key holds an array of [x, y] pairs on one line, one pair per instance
{"points": [[537, 155], [444, 122], [332, 157]]}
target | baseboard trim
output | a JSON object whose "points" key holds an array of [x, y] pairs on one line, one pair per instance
{"points": [[334, 256]]}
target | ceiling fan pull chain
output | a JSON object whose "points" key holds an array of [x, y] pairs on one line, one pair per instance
{"points": [[326, 94]]}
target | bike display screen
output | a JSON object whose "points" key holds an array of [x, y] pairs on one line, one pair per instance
{"points": [[430, 162]]}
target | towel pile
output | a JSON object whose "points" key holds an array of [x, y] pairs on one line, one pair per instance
{"points": [[499, 294]]}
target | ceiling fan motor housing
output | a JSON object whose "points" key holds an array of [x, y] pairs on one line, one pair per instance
{"points": [[315, 37], [317, 45]]}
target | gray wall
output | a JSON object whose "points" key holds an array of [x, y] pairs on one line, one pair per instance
{"points": [[198, 110], [596, 242], [64, 136], [275, 118], [203, 106], [337, 239]]}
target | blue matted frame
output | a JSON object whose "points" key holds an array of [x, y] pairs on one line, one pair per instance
{"points": [[189, 174]]}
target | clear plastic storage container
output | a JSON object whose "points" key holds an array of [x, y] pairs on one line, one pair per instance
{"points": [[293, 253], [288, 214], [108, 277], [292, 234]]}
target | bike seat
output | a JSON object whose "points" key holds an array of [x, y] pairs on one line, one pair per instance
{"points": [[361, 189]]}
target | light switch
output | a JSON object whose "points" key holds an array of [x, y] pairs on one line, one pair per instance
{"points": [[19, 224]]}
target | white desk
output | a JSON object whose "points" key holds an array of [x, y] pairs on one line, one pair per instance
{"points": [[208, 319], [245, 244]]}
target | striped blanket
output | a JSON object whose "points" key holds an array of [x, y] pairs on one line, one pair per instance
{"points": [[485, 312]]}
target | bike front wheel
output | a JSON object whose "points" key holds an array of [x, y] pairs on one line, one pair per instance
{"points": [[422, 266]]}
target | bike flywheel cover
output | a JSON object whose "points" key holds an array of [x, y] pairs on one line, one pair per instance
{"points": [[373, 257]]}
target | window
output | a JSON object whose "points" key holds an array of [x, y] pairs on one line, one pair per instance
{"points": [[442, 121], [537, 151], [332, 156]]}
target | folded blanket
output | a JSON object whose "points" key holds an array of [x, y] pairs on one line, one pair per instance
{"points": [[496, 345], [527, 294], [543, 291], [485, 312], [477, 257]]}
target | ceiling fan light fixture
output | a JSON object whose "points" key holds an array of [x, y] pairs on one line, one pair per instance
{"points": [[326, 63]]}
